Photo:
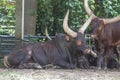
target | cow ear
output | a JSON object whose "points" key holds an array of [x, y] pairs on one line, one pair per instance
{"points": [[78, 42], [67, 38]]}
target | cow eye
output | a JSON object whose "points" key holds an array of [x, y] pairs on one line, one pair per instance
{"points": [[67, 38], [78, 42]]}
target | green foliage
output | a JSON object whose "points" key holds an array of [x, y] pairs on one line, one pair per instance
{"points": [[7, 17], [51, 13], [107, 8]]}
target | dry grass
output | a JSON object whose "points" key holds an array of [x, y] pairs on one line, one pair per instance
{"points": [[58, 74]]}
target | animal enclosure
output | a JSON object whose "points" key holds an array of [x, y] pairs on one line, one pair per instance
{"points": [[39, 14]]}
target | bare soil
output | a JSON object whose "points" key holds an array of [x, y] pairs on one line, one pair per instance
{"points": [[58, 74]]}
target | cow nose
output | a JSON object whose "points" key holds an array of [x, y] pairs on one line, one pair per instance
{"points": [[88, 51]]}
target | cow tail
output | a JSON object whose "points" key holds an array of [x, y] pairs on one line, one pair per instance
{"points": [[6, 63]]}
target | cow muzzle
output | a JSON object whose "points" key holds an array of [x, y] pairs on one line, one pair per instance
{"points": [[88, 51]]}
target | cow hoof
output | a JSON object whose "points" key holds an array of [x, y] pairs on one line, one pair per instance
{"points": [[21, 67], [56, 67], [73, 67], [105, 68], [37, 66], [99, 68]]}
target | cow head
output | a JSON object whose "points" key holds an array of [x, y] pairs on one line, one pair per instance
{"points": [[80, 41], [98, 23], [97, 26]]}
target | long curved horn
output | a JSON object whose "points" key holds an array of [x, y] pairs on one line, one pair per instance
{"points": [[87, 9], [106, 21], [47, 35], [66, 27], [85, 25], [111, 20]]}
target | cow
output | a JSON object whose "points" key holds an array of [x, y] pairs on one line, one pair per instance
{"points": [[56, 51], [106, 34], [81, 61]]}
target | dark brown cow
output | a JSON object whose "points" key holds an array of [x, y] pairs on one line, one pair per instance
{"points": [[50, 52], [107, 34], [57, 51]]}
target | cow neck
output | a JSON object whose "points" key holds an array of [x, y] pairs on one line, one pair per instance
{"points": [[62, 49], [100, 32]]}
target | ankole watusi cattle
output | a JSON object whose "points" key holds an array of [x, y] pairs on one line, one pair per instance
{"points": [[107, 34], [61, 51]]}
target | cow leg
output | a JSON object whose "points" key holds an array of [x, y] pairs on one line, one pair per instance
{"points": [[105, 61], [65, 64], [28, 65], [25, 60], [83, 62], [100, 59], [108, 55], [118, 51], [24, 64]]}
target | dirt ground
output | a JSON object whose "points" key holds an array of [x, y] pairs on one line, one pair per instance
{"points": [[58, 74]]}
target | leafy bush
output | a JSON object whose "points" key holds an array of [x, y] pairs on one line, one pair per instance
{"points": [[7, 17], [51, 13]]}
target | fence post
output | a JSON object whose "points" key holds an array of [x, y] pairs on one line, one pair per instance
{"points": [[30, 16], [18, 25], [29, 21]]}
